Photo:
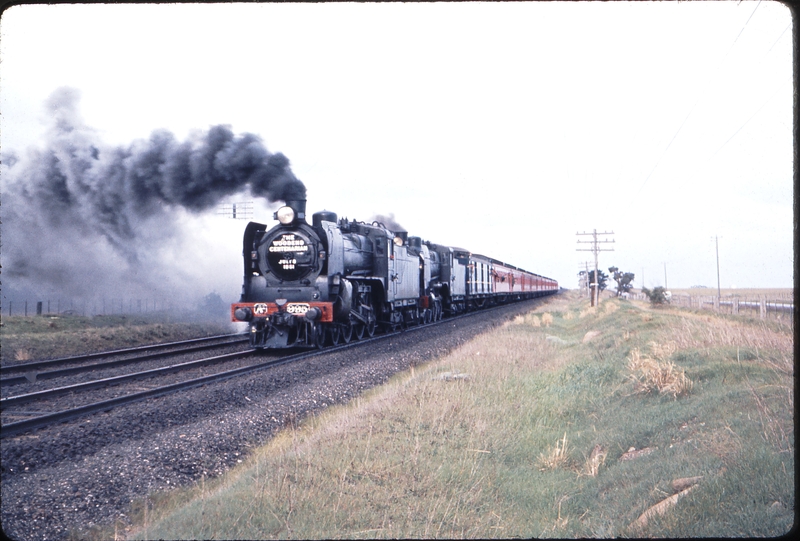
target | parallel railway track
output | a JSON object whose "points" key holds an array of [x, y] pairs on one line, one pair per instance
{"points": [[55, 368], [39, 419]]}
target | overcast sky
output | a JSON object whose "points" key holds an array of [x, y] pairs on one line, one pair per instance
{"points": [[504, 128]]}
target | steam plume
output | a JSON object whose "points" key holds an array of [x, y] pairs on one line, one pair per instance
{"points": [[82, 217], [388, 221]]}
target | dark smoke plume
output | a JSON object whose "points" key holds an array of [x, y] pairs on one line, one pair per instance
{"points": [[81, 217], [388, 221]]}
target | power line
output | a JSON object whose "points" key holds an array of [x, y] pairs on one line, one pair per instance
{"points": [[700, 95], [596, 250], [779, 37]]}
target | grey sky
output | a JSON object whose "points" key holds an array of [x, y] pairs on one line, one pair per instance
{"points": [[504, 128]]}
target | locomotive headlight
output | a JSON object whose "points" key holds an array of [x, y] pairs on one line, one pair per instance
{"points": [[398, 241], [285, 215]]}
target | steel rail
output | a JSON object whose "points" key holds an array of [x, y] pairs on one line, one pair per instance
{"points": [[27, 367], [32, 376], [19, 427], [94, 384]]}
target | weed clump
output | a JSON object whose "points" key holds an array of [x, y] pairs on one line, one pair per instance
{"points": [[555, 457], [596, 459], [664, 376]]}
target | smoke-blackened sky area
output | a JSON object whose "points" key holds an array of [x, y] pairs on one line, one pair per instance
{"points": [[81, 219]]}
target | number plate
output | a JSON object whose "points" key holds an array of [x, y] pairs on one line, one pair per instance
{"points": [[297, 308]]}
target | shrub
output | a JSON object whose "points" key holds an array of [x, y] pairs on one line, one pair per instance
{"points": [[657, 296]]}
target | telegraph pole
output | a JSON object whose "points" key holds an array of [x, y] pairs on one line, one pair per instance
{"points": [[716, 243], [240, 210], [583, 267], [596, 250]]}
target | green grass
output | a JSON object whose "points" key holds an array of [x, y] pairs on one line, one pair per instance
{"points": [[43, 337], [433, 456]]}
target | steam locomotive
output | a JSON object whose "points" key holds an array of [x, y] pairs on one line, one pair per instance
{"points": [[328, 282]]}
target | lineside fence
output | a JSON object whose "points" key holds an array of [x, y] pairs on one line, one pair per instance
{"points": [[102, 307], [763, 307]]}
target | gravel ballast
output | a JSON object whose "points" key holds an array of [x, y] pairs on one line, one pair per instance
{"points": [[66, 479]]}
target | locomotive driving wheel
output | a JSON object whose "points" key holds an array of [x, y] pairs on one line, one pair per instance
{"points": [[371, 328], [359, 328], [347, 333], [335, 333], [319, 335]]}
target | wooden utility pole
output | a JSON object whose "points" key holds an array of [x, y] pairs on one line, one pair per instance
{"points": [[596, 250], [716, 243], [584, 283]]}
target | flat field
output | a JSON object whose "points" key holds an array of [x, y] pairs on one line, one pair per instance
{"points": [[570, 421], [777, 293], [45, 337]]}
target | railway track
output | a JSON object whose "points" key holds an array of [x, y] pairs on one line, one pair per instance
{"points": [[88, 404], [55, 368]]}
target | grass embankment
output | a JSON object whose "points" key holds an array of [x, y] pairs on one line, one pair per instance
{"points": [[537, 429], [45, 337]]}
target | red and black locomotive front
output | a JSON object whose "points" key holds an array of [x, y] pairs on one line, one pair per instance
{"points": [[284, 299]]}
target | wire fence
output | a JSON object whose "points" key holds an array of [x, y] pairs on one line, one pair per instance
{"points": [[762, 306], [86, 308]]}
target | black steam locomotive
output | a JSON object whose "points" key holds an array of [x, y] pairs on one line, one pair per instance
{"points": [[311, 285]]}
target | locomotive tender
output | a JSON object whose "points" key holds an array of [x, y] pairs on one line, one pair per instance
{"points": [[311, 285]]}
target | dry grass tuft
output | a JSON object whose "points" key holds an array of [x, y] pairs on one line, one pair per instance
{"points": [[659, 509], [519, 320], [665, 377], [610, 307], [555, 457], [547, 319], [596, 459], [22, 355], [663, 351], [568, 316], [535, 321]]}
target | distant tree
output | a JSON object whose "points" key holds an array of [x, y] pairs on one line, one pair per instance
{"points": [[624, 280], [657, 296], [603, 278]]}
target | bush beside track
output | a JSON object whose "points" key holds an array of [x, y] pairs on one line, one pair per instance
{"points": [[567, 422]]}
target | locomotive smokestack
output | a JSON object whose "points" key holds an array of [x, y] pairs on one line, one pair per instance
{"points": [[299, 208]]}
